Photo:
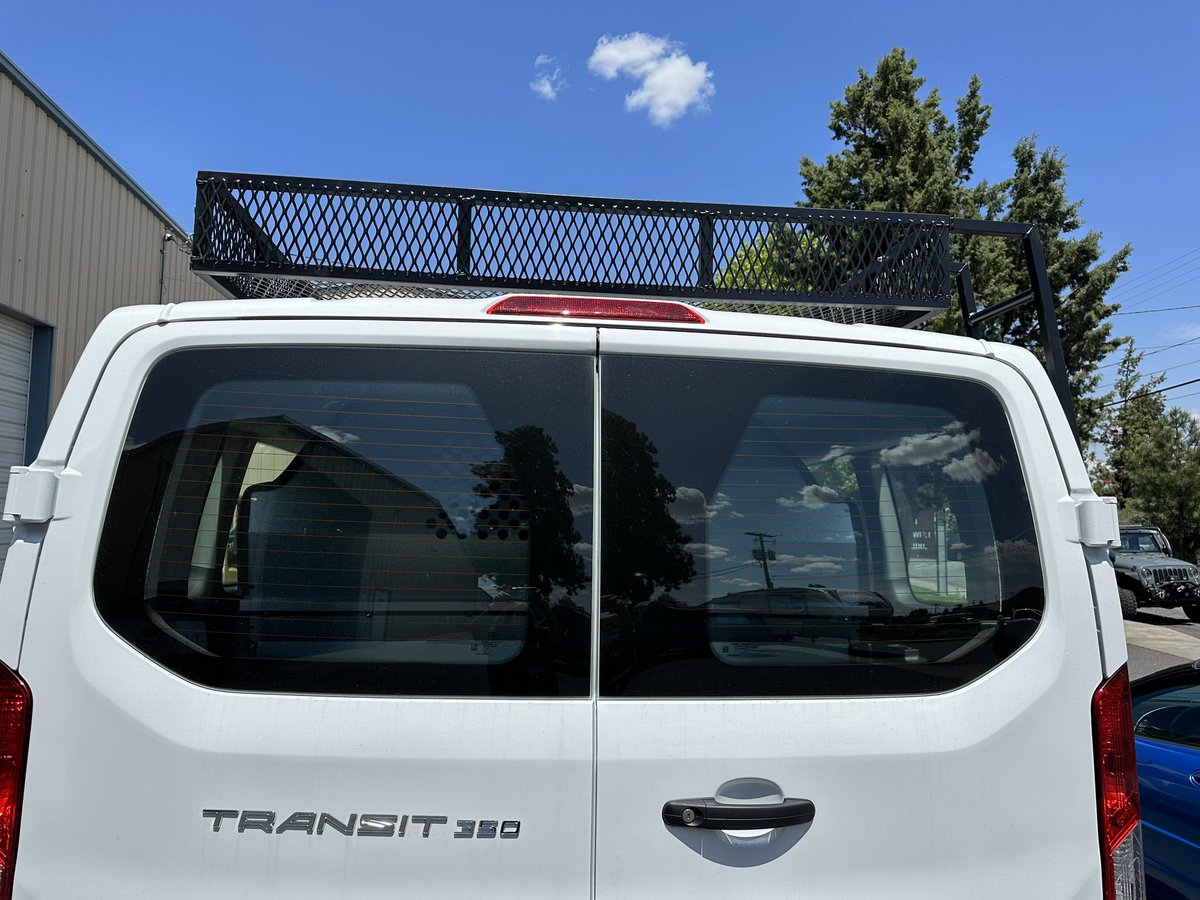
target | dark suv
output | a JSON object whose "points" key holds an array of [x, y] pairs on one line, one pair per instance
{"points": [[1148, 575]]}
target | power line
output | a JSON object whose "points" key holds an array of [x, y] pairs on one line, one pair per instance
{"points": [[1185, 396], [1159, 309], [1155, 374], [1159, 289], [1161, 390], [1148, 285], [1150, 272], [1151, 375], [1150, 351]]}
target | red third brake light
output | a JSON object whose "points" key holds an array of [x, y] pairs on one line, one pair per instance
{"points": [[594, 308], [15, 708], [1117, 789]]}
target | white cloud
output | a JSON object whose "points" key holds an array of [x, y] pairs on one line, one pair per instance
{"points": [[719, 503], [548, 82], [975, 467], [812, 496], [691, 507], [706, 551], [809, 560], [584, 549], [920, 449], [636, 54], [837, 451], [671, 82], [740, 582], [817, 568], [580, 500]]}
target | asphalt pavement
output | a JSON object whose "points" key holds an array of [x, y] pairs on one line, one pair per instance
{"points": [[1160, 638]]}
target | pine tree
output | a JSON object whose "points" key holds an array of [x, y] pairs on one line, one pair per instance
{"points": [[901, 152]]}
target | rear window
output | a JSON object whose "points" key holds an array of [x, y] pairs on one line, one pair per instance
{"points": [[792, 530], [356, 520]]}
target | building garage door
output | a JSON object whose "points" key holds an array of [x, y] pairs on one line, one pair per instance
{"points": [[16, 343]]}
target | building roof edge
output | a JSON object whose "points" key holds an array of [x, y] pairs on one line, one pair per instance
{"points": [[42, 99]]}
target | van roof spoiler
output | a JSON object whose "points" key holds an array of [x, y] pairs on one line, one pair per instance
{"points": [[277, 236]]}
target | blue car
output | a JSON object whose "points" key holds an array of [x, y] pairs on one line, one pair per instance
{"points": [[1166, 715]]}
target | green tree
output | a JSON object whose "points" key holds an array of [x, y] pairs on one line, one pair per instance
{"points": [[778, 260], [1153, 456], [1129, 419], [901, 152], [531, 509], [761, 263], [644, 547], [1165, 479]]}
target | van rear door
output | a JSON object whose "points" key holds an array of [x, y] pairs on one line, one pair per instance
{"points": [[848, 650], [313, 618]]}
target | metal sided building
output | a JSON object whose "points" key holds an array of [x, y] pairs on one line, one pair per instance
{"points": [[78, 238]]}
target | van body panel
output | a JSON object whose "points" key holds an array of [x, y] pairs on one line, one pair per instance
{"points": [[917, 796], [152, 784], [126, 756]]}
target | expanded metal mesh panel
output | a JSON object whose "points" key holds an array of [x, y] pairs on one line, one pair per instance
{"points": [[266, 235], [248, 286], [843, 315]]}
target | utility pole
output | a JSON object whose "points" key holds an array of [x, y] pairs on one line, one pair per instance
{"points": [[762, 554]]}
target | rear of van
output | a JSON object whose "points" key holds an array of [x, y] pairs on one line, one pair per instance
{"points": [[608, 599]]}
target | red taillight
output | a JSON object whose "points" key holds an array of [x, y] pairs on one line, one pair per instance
{"points": [[594, 308], [15, 707], [1117, 788]]}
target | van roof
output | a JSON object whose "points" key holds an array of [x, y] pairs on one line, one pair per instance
{"points": [[433, 307]]}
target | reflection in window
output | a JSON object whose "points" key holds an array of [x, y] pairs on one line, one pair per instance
{"points": [[1171, 715], [354, 520], [850, 531]]}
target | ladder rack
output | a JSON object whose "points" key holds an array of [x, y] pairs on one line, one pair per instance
{"points": [[275, 236]]}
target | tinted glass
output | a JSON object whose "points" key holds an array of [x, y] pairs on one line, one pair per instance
{"points": [[1143, 542], [795, 530], [1171, 715], [358, 521]]}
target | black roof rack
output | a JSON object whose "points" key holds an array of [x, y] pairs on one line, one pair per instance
{"points": [[274, 236]]}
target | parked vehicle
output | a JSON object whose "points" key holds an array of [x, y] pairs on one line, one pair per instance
{"points": [[1148, 575], [1166, 712], [560, 596]]}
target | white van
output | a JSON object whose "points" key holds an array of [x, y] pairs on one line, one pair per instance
{"points": [[558, 597]]}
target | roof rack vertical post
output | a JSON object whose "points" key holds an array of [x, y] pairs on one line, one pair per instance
{"points": [[705, 260], [463, 255], [966, 300], [1039, 292], [1039, 278]]}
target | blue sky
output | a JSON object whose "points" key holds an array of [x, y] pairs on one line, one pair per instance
{"points": [[726, 98]]}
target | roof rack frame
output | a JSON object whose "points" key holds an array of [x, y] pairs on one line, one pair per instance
{"points": [[259, 235], [1039, 293]]}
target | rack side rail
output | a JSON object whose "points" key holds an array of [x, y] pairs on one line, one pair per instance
{"points": [[263, 235]]}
